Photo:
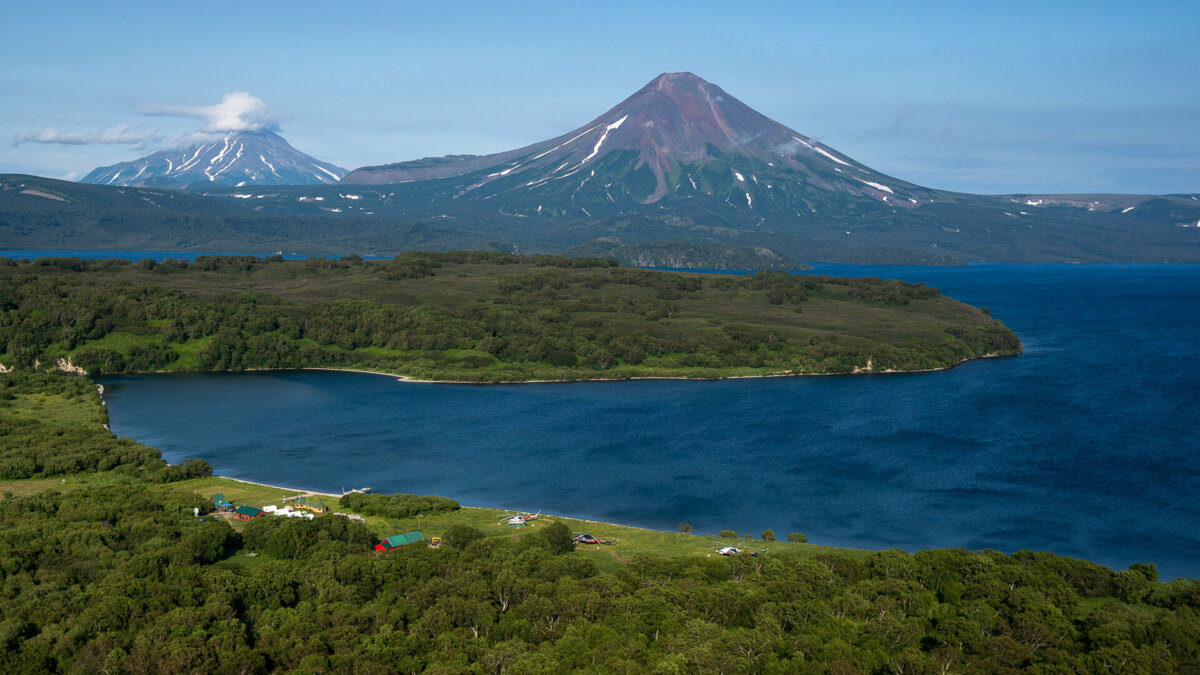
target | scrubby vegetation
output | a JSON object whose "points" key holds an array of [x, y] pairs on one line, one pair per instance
{"points": [[474, 316]]}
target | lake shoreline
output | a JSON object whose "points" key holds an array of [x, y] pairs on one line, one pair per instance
{"points": [[541, 514], [403, 378], [856, 371]]}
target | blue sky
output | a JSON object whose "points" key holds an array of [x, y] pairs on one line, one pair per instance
{"points": [[977, 97]]}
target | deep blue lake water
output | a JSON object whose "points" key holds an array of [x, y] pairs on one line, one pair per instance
{"points": [[1086, 445]]}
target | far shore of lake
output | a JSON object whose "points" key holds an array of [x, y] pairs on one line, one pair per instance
{"points": [[856, 371]]}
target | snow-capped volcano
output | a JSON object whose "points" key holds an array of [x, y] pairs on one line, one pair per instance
{"points": [[679, 137], [239, 158]]}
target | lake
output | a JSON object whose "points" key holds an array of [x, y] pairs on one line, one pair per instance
{"points": [[1085, 445]]}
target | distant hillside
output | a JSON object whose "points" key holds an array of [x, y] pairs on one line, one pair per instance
{"points": [[680, 255], [42, 213]]}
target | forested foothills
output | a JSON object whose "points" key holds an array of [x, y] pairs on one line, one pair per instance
{"points": [[106, 569], [469, 316], [36, 446]]}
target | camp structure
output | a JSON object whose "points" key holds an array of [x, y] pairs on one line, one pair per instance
{"points": [[247, 512], [287, 512], [311, 504], [398, 540], [587, 538], [220, 503]]}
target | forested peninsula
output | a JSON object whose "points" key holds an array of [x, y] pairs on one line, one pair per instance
{"points": [[475, 317], [113, 562]]}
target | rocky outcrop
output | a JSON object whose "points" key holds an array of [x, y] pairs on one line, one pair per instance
{"points": [[64, 365]]}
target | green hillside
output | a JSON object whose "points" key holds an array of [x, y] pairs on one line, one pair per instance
{"points": [[478, 317]]}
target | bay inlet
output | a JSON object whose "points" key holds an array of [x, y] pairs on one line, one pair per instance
{"points": [[1085, 445]]}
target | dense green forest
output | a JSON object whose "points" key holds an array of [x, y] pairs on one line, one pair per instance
{"points": [[473, 316], [109, 571]]}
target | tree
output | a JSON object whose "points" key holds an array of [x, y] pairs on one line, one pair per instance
{"points": [[727, 533], [460, 536], [686, 528], [796, 537], [768, 535], [1148, 570], [558, 537]]}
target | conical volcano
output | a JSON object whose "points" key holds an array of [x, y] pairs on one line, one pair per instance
{"points": [[235, 159], [681, 160], [678, 137]]}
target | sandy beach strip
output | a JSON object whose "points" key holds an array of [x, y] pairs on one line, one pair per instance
{"points": [[300, 491], [550, 516]]}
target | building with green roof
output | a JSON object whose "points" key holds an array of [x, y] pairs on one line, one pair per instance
{"points": [[398, 540], [221, 503], [244, 512]]}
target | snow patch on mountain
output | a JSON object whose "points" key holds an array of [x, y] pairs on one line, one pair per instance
{"points": [[839, 161], [612, 127], [877, 186]]}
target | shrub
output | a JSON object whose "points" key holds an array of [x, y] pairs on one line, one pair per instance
{"points": [[396, 505], [172, 473], [460, 536], [558, 536]]}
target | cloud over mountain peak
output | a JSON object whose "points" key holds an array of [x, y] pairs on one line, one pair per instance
{"points": [[237, 111]]}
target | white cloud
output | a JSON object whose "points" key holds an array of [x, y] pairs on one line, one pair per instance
{"points": [[121, 135], [237, 111]]}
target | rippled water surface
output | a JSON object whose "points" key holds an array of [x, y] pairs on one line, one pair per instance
{"points": [[1085, 445]]}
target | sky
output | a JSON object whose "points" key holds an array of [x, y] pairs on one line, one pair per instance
{"points": [[993, 98]]}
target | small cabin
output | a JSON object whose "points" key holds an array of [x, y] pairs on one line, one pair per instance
{"points": [[315, 505], [398, 540], [220, 503], [248, 512]]}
